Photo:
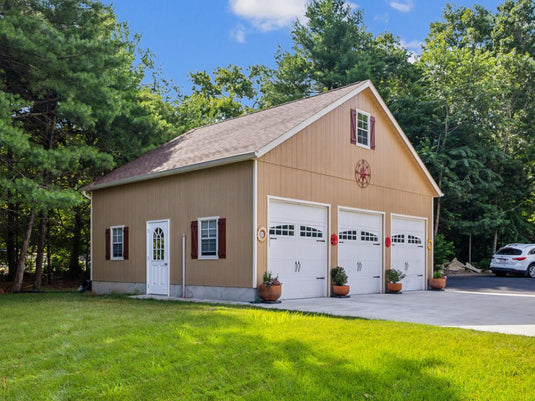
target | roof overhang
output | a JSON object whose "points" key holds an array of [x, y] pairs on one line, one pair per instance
{"points": [[273, 144], [179, 170]]}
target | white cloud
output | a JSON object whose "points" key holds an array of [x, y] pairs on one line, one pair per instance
{"points": [[238, 34], [382, 18], [268, 15], [414, 47], [402, 5], [352, 5]]}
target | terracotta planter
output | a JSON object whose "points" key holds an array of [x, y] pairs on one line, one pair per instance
{"points": [[437, 283], [393, 287], [340, 290], [269, 293]]}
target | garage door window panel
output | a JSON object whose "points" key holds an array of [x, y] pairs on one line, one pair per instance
{"points": [[286, 230], [412, 239], [349, 235], [368, 236], [398, 238], [310, 232]]}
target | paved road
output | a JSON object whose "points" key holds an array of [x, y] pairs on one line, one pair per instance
{"points": [[493, 284]]}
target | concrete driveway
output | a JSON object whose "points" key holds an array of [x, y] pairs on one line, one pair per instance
{"points": [[510, 313]]}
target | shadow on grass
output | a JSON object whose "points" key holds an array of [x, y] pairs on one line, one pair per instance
{"points": [[117, 348]]}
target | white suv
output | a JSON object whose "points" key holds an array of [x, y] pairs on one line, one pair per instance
{"points": [[514, 258]]}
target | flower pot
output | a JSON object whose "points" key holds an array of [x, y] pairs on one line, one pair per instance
{"points": [[269, 293], [393, 287], [437, 283], [340, 290]]}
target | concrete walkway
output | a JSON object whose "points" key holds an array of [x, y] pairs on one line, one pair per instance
{"points": [[494, 312], [502, 313]]}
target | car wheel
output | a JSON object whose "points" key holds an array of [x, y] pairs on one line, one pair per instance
{"points": [[531, 271], [499, 273]]}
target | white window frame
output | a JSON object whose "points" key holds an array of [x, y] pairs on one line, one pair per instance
{"points": [[199, 235], [368, 115], [112, 228]]}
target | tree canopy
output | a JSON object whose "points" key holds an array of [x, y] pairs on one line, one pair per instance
{"points": [[76, 100]]}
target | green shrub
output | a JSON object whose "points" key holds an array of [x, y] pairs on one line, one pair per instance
{"points": [[444, 250], [395, 275], [338, 276]]}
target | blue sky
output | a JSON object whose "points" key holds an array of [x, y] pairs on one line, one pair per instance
{"points": [[195, 35]]}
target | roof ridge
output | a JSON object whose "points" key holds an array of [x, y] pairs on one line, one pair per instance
{"points": [[272, 107]]}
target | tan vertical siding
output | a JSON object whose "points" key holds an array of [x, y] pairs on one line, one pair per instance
{"points": [[318, 165], [224, 191]]}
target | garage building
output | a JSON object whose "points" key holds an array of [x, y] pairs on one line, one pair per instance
{"points": [[206, 214]]}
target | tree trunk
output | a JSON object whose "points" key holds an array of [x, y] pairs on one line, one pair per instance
{"points": [[74, 265], [40, 252], [437, 218], [441, 173], [470, 249], [17, 285], [495, 242], [11, 246], [48, 256]]}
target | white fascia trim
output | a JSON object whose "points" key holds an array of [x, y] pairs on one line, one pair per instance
{"points": [[403, 136], [408, 216], [296, 201], [255, 222], [273, 144], [354, 209], [179, 170]]}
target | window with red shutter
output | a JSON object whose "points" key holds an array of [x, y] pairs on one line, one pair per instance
{"points": [[125, 242], [372, 132], [194, 239], [222, 238], [108, 243], [116, 243], [353, 126]]}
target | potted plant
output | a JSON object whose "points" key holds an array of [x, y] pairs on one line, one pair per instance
{"points": [[339, 281], [394, 276], [271, 288], [438, 281]]}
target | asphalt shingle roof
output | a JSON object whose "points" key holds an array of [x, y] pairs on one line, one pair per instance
{"points": [[230, 138]]}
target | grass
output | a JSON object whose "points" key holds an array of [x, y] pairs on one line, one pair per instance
{"points": [[81, 347]]}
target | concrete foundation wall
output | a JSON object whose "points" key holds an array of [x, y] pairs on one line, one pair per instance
{"points": [[196, 292]]}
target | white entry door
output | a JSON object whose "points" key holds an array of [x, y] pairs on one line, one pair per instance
{"points": [[408, 251], [158, 257], [359, 250], [298, 248]]}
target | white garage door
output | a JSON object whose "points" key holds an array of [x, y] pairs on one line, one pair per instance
{"points": [[360, 251], [408, 251], [298, 248]]}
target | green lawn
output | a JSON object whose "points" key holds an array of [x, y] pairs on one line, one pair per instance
{"points": [[77, 346]]}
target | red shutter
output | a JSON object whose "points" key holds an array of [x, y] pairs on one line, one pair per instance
{"points": [[125, 243], [194, 239], [222, 238], [108, 244], [354, 126], [372, 132]]}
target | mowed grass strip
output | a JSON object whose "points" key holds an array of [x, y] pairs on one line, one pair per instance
{"points": [[82, 347]]}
